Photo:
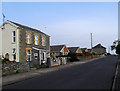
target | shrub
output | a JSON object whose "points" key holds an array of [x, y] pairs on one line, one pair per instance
{"points": [[118, 49], [80, 54], [17, 72], [95, 53], [73, 57]]}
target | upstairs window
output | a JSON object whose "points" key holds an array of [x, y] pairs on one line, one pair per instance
{"points": [[13, 36], [28, 37], [43, 40], [36, 40]]}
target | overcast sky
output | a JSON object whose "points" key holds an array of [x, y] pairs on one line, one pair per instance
{"points": [[68, 23]]}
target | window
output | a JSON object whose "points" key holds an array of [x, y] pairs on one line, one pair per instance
{"points": [[43, 41], [66, 53], [13, 37], [36, 55], [36, 40], [43, 56], [28, 37], [28, 54], [14, 54]]}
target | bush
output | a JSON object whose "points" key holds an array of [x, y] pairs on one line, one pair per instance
{"points": [[73, 57], [87, 54], [80, 54], [118, 49], [17, 72], [95, 53]]}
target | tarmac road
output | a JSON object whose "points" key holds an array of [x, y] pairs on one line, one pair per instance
{"points": [[97, 74]]}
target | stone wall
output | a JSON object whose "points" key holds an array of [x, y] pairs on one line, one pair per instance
{"points": [[12, 67]]}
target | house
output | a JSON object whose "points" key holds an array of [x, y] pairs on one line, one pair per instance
{"points": [[84, 50], [89, 50], [99, 49], [57, 50], [22, 43], [74, 49]]}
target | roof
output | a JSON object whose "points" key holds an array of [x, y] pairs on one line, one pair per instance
{"points": [[99, 46], [56, 48], [26, 27], [83, 49], [73, 49]]}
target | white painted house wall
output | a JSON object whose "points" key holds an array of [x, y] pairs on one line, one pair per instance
{"points": [[119, 21], [7, 45], [0, 42]]}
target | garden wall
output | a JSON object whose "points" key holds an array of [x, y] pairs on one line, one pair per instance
{"points": [[11, 67]]}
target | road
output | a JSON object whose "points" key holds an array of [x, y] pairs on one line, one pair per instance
{"points": [[97, 74]]}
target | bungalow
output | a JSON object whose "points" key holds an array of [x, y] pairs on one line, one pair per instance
{"points": [[57, 50], [22, 43], [84, 50], [99, 49], [74, 49]]}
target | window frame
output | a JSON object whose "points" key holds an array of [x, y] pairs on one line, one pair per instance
{"points": [[28, 37], [35, 34], [44, 44], [14, 54], [13, 36], [28, 54]]}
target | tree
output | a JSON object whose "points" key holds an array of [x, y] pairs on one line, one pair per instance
{"points": [[118, 49], [115, 43]]}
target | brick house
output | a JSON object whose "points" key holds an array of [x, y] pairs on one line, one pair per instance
{"points": [[84, 50], [99, 49], [23, 43], [56, 50], [74, 49]]}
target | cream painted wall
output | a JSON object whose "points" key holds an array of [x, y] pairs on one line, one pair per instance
{"points": [[0, 41], [7, 44]]}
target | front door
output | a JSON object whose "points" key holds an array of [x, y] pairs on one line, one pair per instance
{"points": [[40, 57]]}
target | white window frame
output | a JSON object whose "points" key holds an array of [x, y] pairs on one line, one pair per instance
{"points": [[35, 55], [28, 38], [28, 54], [36, 39], [13, 36], [43, 41], [13, 53]]}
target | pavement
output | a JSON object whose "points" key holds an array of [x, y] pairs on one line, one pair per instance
{"points": [[10, 79], [116, 83]]}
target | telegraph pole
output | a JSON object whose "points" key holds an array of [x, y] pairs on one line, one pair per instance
{"points": [[91, 45], [3, 20]]}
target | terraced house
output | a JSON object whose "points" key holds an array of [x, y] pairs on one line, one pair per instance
{"points": [[21, 43]]}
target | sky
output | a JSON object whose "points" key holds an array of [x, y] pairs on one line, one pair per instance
{"points": [[68, 23]]}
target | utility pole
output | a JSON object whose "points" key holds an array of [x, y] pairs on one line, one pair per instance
{"points": [[91, 45], [3, 20]]}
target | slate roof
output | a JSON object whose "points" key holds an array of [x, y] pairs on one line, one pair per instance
{"points": [[73, 49], [56, 48], [26, 27], [99, 46]]}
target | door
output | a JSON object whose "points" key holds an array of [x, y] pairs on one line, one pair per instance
{"points": [[40, 57]]}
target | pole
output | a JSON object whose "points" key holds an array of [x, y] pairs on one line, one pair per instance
{"points": [[91, 45], [3, 19]]}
